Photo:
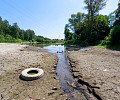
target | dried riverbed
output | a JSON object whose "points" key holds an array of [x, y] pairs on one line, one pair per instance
{"points": [[16, 57], [97, 69]]}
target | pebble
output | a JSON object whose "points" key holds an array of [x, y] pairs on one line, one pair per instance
{"points": [[55, 88]]}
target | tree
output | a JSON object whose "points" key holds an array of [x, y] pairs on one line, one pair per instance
{"points": [[1, 25], [26, 35], [5, 27], [68, 34], [83, 35], [2, 39], [21, 34], [15, 30], [111, 19], [101, 27], [76, 20], [31, 34], [114, 37], [12, 33], [93, 7], [117, 22], [8, 38]]}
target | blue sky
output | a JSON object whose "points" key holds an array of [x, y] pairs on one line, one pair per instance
{"points": [[46, 17]]}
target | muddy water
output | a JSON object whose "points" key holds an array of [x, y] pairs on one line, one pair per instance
{"points": [[67, 83]]}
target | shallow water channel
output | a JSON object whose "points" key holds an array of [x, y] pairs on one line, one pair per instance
{"points": [[67, 83]]}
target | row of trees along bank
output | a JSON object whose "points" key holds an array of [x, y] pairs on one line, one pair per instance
{"points": [[93, 28], [12, 33]]}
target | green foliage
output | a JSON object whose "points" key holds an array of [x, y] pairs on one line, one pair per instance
{"points": [[113, 38], [111, 19], [2, 39], [84, 43], [76, 21], [70, 42], [9, 39], [109, 46], [82, 34], [68, 34], [101, 26], [18, 41], [117, 22], [93, 6], [42, 39], [117, 13], [92, 28]]}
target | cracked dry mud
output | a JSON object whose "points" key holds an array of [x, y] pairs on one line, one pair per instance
{"points": [[98, 68], [13, 59]]}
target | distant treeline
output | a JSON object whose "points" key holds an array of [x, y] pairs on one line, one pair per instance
{"points": [[93, 28], [12, 33]]}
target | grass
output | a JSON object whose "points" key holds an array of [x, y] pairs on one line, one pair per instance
{"points": [[109, 46], [32, 72]]}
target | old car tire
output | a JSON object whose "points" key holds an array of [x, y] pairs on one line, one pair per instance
{"points": [[25, 76]]}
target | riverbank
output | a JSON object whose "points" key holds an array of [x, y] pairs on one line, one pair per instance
{"points": [[16, 57], [98, 69]]}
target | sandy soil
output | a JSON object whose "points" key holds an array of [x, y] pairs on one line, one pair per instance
{"points": [[98, 69], [16, 57]]}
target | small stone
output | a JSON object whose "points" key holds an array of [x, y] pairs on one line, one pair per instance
{"points": [[55, 88], [51, 93], [105, 70], [56, 78], [21, 50]]}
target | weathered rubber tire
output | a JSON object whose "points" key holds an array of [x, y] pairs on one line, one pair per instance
{"points": [[25, 76]]}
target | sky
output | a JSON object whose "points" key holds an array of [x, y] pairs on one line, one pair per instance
{"points": [[46, 17]]}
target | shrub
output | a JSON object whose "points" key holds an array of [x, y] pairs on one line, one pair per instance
{"points": [[18, 41], [2, 39], [8, 38], [84, 43], [113, 38], [70, 42]]}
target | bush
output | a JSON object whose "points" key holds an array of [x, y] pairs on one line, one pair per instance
{"points": [[18, 41], [2, 39], [8, 38], [115, 35], [113, 38], [70, 42], [84, 43], [106, 41]]}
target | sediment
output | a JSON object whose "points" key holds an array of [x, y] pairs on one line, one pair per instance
{"points": [[16, 57], [97, 70]]}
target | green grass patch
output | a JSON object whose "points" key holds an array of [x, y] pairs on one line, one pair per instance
{"points": [[32, 72], [109, 46]]}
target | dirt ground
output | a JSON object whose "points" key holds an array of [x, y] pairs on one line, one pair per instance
{"points": [[16, 57], [97, 68]]}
